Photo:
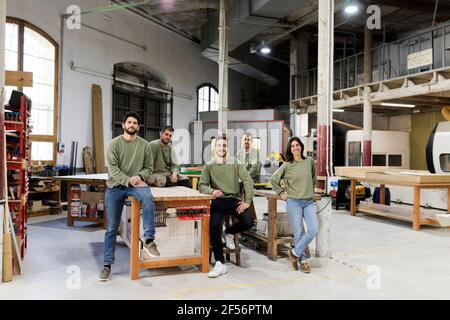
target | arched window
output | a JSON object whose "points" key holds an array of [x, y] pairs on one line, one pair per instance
{"points": [[29, 49], [207, 98]]}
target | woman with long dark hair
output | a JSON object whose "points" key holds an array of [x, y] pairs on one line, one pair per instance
{"points": [[294, 181]]}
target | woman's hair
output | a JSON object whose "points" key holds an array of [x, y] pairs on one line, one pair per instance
{"points": [[289, 155]]}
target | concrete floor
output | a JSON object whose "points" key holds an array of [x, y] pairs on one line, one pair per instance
{"points": [[410, 265]]}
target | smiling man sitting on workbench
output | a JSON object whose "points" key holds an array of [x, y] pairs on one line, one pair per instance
{"points": [[165, 165], [220, 178], [129, 165]]}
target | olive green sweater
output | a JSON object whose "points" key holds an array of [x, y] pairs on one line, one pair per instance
{"points": [[225, 177], [127, 159], [297, 179], [164, 159], [251, 161]]}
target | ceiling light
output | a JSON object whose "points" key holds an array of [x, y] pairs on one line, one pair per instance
{"points": [[351, 8], [401, 105], [265, 50], [338, 110]]}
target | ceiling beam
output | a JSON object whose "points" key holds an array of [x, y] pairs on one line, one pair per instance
{"points": [[179, 7], [416, 5]]}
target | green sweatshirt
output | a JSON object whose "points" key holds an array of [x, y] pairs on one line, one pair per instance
{"points": [[127, 159], [251, 161], [298, 178], [225, 177], [164, 159]]}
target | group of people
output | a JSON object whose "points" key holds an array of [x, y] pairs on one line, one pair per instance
{"points": [[134, 164]]}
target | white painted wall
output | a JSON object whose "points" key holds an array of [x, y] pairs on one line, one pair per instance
{"points": [[179, 60]]}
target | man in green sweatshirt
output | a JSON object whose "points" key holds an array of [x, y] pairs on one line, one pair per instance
{"points": [[129, 165], [220, 178], [165, 165], [250, 157]]}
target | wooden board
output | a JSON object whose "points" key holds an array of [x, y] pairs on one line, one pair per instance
{"points": [[97, 128], [272, 194], [409, 176], [178, 193], [19, 79], [84, 178], [356, 172], [385, 175], [88, 160]]}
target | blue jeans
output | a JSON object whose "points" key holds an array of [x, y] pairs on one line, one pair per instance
{"points": [[114, 202], [299, 210]]}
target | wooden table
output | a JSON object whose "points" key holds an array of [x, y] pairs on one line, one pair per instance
{"points": [[272, 238], [416, 179], [91, 179], [172, 197]]}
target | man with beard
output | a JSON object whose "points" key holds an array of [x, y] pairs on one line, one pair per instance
{"points": [[250, 157], [220, 178], [165, 164], [129, 165]]}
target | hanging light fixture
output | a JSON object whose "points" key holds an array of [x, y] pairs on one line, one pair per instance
{"points": [[351, 7]]}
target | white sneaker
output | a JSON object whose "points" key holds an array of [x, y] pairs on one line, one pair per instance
{"points": [[229, 241], [219, 269]]}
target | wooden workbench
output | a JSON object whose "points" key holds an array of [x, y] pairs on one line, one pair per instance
{"points": [[272, 238], [172, 197], [416, 179], [90, 179]]}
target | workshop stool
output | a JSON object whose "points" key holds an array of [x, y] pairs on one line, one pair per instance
{"points": [[227, 252]]}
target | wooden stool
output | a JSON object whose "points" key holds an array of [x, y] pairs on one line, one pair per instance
{"points": [[227, 252]]}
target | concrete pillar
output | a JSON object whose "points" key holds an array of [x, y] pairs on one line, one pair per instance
{"points": [[299, 85], [324, 88], [367, 135], [367, 138], [223, 66]]}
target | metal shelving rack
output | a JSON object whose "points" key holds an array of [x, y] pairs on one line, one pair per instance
{"points": [[17, 159]]}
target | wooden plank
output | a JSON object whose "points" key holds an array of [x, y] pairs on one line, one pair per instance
{"points": [[285, 240], [178, 193], [69, 203], [382, 194], [272, 230], [18, 78], [416, 215], [97, 126], [391, 215], [135, 227], [170, 262], [273, 194], [256, 235], [205, 242], [353, 197], [384, 175]]}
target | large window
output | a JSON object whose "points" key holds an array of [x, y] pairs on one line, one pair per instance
{"points": [[30, 49], [207, 98]]}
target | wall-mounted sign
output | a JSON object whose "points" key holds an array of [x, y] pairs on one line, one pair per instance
{"points": [[420, 59]]}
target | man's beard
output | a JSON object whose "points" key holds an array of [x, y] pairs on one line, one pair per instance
{"points": [[223, 155], [131, 133]]}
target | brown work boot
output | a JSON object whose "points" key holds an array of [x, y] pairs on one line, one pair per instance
{"points": [[304, 267], [293, 259]]}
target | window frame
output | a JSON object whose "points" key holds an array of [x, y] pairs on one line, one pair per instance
{"points": [[210, 86], [40, 138]]}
